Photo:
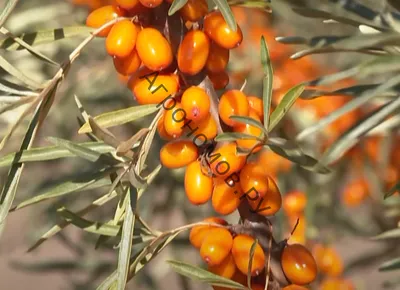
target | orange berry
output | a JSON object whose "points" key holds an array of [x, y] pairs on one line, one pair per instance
{"points": [[336, 284], [328, 260], [294, 287], [249, 130], [194, 10], [218, 58], [299, 234], [298, 264], [254, 180], [179, 153], [216, 246], [294, 202], [154, 89], [241, 253], [275, 162], [218, 30], [128, 65], [154, 49], [204, 130], [256, 104], [198, 186], [219, 80], [232, 102], [225, 161], [270, 203], [122, 39], [193, 52], [102, 15], [355, 192], [226, 269], [151, 3], [127, 4], [196, 103], [161, 129], [174, 121], [198, 233], [225, 198]]}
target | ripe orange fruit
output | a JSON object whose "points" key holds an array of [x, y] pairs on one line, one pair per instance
{"points": [[127, 4], [225, 198], [241, 253], [151, 3], [328, 260], [194, 10], [198, 233], [224, 160], [161, 129], [154, 49], [232, 102], [270, 203], [193, 52], [204, 130], [298, 264], [218, 58], [273, 161], [294, 287], [196, 103], [226, 269], [294, 202], [336, 284], [249, 130], [174, 120], [355, 192], [256, 104], [154, 89], [216, 246], [127, 65], [122, 39], [102, 15], [198, 186], [254, 180], [218, 30], [219, 80], [299, 234], [179, 153]]}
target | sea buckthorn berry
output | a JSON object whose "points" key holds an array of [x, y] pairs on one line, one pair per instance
{"points": [[241, 253], [256, 104], [336, 284], [179, 153], [298, 264], [196, 103], [219, 80], [218, 58], [153, 89], [328, 261], [193, 52], [226, 269], [299, 234], [294, 202], [198, 186], [275, 162], [218, 30], [122, 39], [154, 49], [249, 130], [102, 15], [225, 198], [174, 120], [254, 180], [128, 65], [216, 246], [355, 192], [127, 4], [294, 287], [232, 102], [203, 130], [161, 129], [225, 160], [194, 10], [270, 203], [198, 233], [151, 3]]}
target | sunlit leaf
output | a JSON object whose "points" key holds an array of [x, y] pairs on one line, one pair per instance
{"points": [[226, 11], [391, 234], [267, 82], [390, 265], [7, 9], [176, 5], [233, 136], [250, 121]]}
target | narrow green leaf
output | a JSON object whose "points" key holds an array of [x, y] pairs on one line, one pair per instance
{"points": [[89, 226], [393, 190], [199, 274], [391, 234], [8, 8], [286, 103], [17, 103], [175, 6], [390, 265], [264, 4], [226, 11], [120, 117], [250, 121], [267, 81], [11, 90], [46, 36], [233, 136]]}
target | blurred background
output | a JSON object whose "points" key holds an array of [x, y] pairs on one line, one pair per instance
{"points": [[342, 214]]}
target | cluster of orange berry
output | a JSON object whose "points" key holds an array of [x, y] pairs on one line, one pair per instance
{"points": [[227, 254]]}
